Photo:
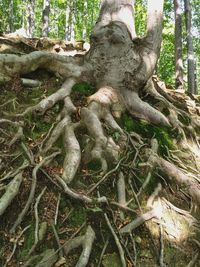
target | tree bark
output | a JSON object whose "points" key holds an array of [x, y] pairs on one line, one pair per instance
{"points": [[178, 45], [190, 50], [70, 21], [67, 22], [30, 18], [45, 18], [11, 16]]}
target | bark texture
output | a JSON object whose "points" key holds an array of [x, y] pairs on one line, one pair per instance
{"points": [[190, 51], [178, 45], [45, 18]]}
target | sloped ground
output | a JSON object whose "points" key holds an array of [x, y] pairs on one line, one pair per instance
{"points": [[151, 213]]}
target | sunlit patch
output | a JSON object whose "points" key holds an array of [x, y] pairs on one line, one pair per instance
{"points": [[195, 149], [178, 225]]}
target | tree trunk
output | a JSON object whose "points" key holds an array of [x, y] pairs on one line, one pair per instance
{"points": [[67, 22], [178, 45], [45, 18], [190, 51], [70, 21], [30, 18], [11, 16]]}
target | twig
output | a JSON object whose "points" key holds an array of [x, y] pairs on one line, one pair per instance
{"points": [[121, 192], [121, 251], [135, 196], [122, 207], [17, 171], [28, 153], [105, 176], [32, 192], [36, 221], [134, 249], [57, 210], [73, 194], [15, 245], [50, 178], [57, 240], [102, 253], [67, 216]]}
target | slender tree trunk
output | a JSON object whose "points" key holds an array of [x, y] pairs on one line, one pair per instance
{"points": [[45, 18], [73, 20], [178, 45], [31, 18], [191, 57], [84, 19], [70, 21], [67, 22], [11, 7]]}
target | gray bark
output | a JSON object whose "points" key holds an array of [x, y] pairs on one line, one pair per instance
{"points": [[45, 18], [118, 10], [178, 45], [191, 57], [30, 18], [11, 26], [70, 21], [67, 23]]}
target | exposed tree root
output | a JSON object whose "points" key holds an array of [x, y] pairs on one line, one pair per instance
{"points": [[145, 175], [86, 242], [98, 121]]}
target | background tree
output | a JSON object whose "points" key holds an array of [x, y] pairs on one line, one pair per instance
{"points": [[11, 18], [45, 18], [190, 51], [30, 16], [178, 45]]}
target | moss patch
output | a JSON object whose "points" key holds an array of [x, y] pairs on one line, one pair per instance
{"points": [[149, 131]]}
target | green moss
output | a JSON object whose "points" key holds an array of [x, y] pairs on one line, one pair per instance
{"points": [[84, 88], [78, 217], [94, 165], [146, 130]]}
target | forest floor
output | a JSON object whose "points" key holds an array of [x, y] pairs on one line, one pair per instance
{"points": [[54, 219]]}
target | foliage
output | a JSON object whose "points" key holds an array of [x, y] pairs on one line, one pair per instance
{"points": [[83, 15]]}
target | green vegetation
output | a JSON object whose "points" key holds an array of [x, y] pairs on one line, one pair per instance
{"points": [[84, 88], [149, 131]]}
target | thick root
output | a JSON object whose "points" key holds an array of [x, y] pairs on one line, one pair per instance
{"points": [[11, 65]]}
